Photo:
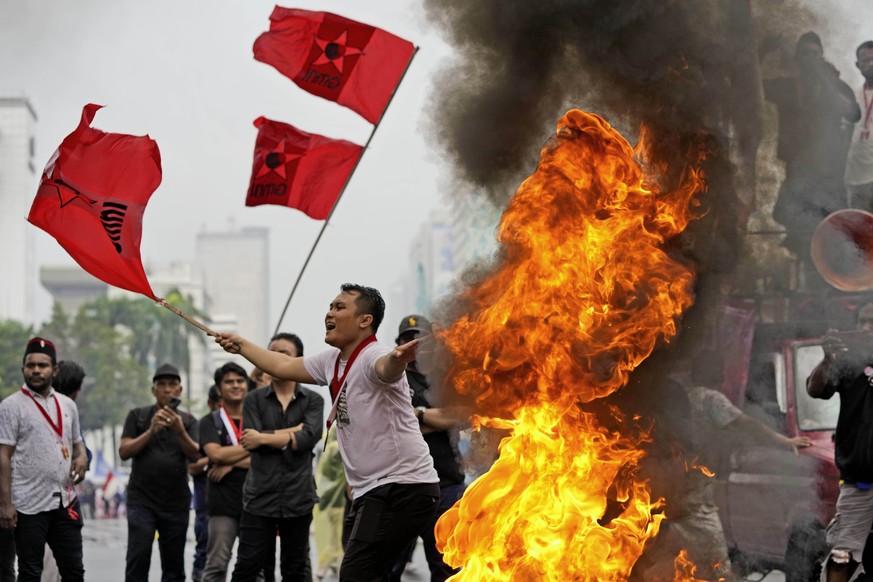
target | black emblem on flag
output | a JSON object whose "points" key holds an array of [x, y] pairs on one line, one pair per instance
{"points": [[112, 217]]}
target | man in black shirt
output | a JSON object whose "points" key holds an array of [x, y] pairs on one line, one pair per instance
{"points": [[437, 426], [161, 442], [847, 370], [282, 423], [220, 434], [816, 110]]}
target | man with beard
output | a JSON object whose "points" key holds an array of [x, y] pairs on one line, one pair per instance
{"points": [[161, 442], [859, 166], [42, 457], [388, 464]]}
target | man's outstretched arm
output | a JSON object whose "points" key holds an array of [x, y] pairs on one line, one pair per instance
{"points": [[392, 365], [273, 363]]}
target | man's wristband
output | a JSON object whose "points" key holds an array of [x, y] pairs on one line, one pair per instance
{"points": [[419, 414]]}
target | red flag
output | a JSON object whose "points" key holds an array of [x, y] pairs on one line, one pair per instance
{"points": [[93, 193], [109, 476], [298, 169], [354, 64]]}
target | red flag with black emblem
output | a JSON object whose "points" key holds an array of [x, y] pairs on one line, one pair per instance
{"points": [[92, 197], [300, 170], [356, 65]]}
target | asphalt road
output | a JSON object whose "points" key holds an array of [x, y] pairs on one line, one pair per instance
{"points": [[105, 543]]}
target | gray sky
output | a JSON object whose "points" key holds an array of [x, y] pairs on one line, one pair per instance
{"points": [[183, 72]]}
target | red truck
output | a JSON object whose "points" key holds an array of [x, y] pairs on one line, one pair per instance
{"points": [[774, 505]]}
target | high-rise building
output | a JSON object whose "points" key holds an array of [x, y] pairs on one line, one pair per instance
{"points": [[71, 286], [182, 276], [446, 245], [234, 264], [18, 180], [431, 267], [475, 220]]}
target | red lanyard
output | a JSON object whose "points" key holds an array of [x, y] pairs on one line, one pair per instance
{"points": [[336, 383], [59, 427], [59, 430]]}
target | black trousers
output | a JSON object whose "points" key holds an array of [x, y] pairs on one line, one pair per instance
{"points": [[7, 555], [380, 525], [171, 527], [61, 532], [257, 543], [439, 570]]}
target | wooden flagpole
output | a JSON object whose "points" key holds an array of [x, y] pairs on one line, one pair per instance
{"points": [[352, 173], [186, 317]]}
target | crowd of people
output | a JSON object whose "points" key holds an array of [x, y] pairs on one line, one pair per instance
{"points": [[262, 464], [824, 141], [387, 455]]}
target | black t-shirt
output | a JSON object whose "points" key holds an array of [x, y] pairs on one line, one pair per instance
{"points": [[159, 474], [853, 441], [444, 453], [224, 497]]}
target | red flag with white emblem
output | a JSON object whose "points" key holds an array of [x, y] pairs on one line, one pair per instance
{"points": [[357, 65], [300, 170], [92, 197]]}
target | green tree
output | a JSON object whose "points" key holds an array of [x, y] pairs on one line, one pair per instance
{"points": [[97, 340], [57, 329], [13, 337], [118, 341], [174, 333]]}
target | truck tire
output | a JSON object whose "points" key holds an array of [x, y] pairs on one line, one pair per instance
{"points": [[806, 552]]}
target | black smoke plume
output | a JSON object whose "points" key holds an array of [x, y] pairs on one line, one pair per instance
{"points": [[683, 70]]}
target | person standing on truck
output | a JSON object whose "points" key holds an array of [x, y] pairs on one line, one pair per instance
{"points": [[847, 369]]}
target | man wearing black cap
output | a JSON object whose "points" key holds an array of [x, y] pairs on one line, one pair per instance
{"points": [[161, 442], [42, 457], [439, 427]]}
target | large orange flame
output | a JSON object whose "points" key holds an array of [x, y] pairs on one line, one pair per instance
{"points": [[583, 294], [686, 571]]}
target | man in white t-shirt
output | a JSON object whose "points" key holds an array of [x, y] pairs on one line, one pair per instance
{"points": [[387, 462], [859, 165]]}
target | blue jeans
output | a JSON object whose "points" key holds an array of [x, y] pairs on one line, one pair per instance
{"points": [[201, 534], [171, 526], [61, 532]]}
